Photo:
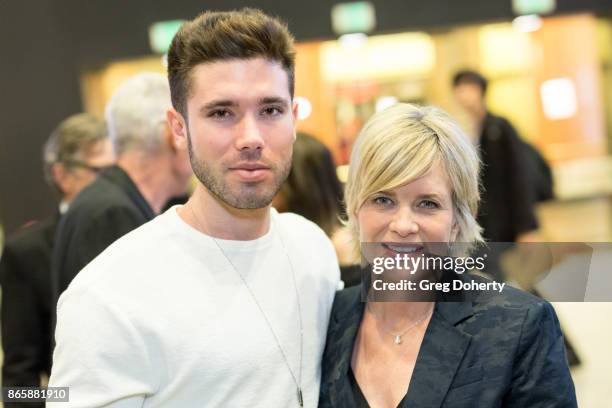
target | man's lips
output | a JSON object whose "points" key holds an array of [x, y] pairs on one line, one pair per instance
{"points": [[250, 171], [249, 166]]}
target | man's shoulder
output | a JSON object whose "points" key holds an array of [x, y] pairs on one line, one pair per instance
{"points": [[306, 235], [498, 127], [100, 205], [299, 226], [99, 196], [35, 237], [139, 250], [310, 246], [492, 118], [153, 233], [27, 254]]}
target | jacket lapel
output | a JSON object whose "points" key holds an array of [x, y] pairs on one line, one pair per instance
{"points": [[346, 323], [440, 355], [119, 177]]}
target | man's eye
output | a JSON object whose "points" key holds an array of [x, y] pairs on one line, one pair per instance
{"points": [[272, 111], [220, 114], [382, 200], [429, 204]]}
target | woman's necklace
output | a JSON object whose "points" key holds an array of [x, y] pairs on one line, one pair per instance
{"points": [[297, 380], [398, 336]]}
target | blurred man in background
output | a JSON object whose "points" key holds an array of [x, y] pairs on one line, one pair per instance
{"points": [[149, 171], [74, 154], [514, 178], [507, 210]]}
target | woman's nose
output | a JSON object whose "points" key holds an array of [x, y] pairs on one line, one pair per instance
{"points": [[404, 223]]}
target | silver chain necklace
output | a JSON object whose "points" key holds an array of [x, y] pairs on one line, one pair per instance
{"points": [[297, 380], [398, 336]]}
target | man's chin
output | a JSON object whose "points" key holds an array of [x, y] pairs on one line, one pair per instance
{"points": [[248, 201]]}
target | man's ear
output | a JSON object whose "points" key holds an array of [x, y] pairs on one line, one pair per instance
{"points": [[178, 129], [294, 110], [61, 178]]}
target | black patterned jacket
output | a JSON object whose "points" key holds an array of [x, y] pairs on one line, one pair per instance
{"points": [[500, 351]]}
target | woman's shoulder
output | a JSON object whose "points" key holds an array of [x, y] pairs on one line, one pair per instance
{"points": [[504, 298], [346, 300], [509, 305], [510, 311]]}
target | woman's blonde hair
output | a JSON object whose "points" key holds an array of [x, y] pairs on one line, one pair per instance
{"points": [[399, 145]]}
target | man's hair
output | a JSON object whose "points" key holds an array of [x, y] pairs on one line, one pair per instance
{"points": [[71, 141], [471, 77], [220, 36], [136, 113]]}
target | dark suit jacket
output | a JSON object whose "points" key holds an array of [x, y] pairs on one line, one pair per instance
{"points": [[25, 277], [103, 212], [509, 189], [502, 351]]}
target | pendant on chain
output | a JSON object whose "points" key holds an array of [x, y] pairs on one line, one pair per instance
{"points": [[398, 339]]}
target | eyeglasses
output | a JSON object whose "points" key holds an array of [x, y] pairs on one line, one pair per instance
{"points": [[78, 163]]}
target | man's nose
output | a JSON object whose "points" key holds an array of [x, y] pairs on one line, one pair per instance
{"points": [[249, 134]]}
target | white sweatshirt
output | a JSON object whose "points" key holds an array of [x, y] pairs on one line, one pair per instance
{"points": [[160, 319]]}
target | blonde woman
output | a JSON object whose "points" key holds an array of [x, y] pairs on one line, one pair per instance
{"points": [[413, 179]]}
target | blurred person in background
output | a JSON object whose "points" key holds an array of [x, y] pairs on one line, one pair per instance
{"points": [[413, 180], [150, 170], [514, 178], [314, 191], [510, 189], [75, 153], [312, 188]]}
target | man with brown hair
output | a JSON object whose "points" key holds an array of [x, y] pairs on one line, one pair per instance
{"points": [[77, 150], [221, 302]]}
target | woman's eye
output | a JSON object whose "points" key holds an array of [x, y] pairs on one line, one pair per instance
{"points": [[429, 204], [382, 200]]}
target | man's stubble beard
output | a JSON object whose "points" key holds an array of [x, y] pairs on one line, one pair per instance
{"points": [[242, 199]]}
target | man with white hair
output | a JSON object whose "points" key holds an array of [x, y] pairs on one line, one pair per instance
{"points": [[149, 171], [75, 152]]}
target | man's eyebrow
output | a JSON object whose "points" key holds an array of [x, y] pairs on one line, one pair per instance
{"points": [[274, 99], [227, 103], [223, 103]]}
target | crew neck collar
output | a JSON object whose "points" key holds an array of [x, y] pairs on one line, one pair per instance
{"points": [[226, 244]]}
